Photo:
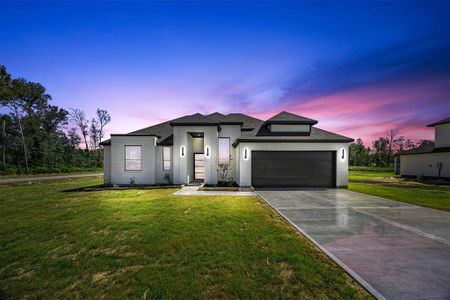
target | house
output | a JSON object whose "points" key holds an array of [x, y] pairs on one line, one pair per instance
{"points": [[285, 150], [430, 159]]}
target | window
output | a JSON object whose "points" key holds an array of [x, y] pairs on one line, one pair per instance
{"points": [[166, 159], [224, 151], [132, 158]]}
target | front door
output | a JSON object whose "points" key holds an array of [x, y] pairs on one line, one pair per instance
{"points": [[199, 166]]}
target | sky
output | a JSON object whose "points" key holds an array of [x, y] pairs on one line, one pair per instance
{"points": [[359, 68]]}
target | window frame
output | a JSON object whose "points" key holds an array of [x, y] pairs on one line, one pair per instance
{"points": [[229, 151], [169, 160], [125, 159]]}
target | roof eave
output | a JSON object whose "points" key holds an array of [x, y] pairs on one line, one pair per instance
{"points": [[250, 140]]}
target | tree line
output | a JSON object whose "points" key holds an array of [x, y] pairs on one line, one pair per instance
{"points": [[38, 137], [383, 150]]}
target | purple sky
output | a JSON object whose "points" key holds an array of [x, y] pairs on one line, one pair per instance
{"points": [[359, 68]]}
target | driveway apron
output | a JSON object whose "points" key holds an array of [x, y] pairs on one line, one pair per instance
{"points": [[396, 250]]}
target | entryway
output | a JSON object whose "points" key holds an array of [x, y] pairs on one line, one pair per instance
{"points": [[199, 166]]}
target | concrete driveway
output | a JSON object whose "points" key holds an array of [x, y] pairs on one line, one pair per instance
{"points": [[396, 250]]}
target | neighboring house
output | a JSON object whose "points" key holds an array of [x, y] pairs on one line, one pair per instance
{"points": [[285, 150], [430, 159]]}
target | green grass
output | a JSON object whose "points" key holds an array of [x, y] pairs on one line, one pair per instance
{"points": [[391, 186], [93, 171], [151, 244]]}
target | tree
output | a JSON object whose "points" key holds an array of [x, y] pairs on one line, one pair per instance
{"points": [[79, 118], [94, 134], [392, 134], [12, 94], [359, 154], [380, 151], [103, 119]]}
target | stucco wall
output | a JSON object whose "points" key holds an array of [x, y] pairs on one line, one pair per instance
{"points": [[442, 135], [147, 173], [425, 164], [182, 166], [107, 164], [159, 172], [245, 175], [289, 128], [233, 132]]}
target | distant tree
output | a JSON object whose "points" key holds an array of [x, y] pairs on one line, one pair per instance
{"points": [[392, 141], [73, 138], [6, 123], [380, 151], [103, 119], [359, 154], [12, 94], [79, 119], [94, 133]]}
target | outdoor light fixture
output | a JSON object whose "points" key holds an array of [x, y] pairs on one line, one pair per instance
{"points": [[245, 153], [342, 154], [207, 151], [182, 151]]}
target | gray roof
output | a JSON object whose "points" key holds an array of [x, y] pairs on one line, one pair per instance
{"points": [[444, 121], [285, 117], [424, 149], [195, 119], [164, 130], [254, 130], [316, 135]]}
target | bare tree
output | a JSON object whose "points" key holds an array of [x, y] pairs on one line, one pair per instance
{"points": [[79, 118], [94, 134], [392, 134], [103, 119]]}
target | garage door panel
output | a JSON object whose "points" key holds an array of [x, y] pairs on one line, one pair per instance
{"points": [[293, 168]]}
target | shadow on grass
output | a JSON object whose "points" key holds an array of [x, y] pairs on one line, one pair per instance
{"points": [[103, 187]]}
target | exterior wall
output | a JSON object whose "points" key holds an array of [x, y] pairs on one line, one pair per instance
{"points": [[148, 154], [425, 164], [182, 166], [233, 132], [107, 164], [442, 135], [289, 128], [159, 172], [245, 168]]}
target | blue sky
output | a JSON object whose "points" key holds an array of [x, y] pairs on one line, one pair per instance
{"points": [[359, 68]]}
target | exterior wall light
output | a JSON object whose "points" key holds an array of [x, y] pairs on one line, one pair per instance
{"points": [[245, 153], [207, 151], [182, 151], [342, 154]]}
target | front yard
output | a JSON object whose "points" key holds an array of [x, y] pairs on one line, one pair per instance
{"points": [[149, 244], [391, 186]]}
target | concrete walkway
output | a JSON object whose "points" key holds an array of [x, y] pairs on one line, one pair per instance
{"points": [[193, 191], [396, 250], [46, 178]]}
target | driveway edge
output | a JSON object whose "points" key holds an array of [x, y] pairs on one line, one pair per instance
{"points": [[349, 271]]}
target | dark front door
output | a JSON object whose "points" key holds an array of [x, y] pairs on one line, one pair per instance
{"points": [[199, 166], [293, 168]]}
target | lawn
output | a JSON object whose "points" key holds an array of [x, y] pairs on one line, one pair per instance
{"points": [[390, 186], [150, 244]]}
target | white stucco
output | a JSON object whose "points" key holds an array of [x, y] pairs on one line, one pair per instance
{"points": [[148, 154], [159, 172], [233, 132], [183, 166], [245, 175], [289, 128], [425, 164], [107, 164], [442, 135]]}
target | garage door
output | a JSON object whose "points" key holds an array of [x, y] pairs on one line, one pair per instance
{"points": [[293, 168]]}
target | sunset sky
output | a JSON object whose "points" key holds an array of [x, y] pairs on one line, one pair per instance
{"points": [[359, 68]]}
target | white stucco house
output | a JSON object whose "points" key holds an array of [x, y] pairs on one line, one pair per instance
{"points": [[284, 151], [429, 160]]}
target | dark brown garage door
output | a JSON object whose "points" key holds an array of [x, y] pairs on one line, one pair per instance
{"points": [[293, 168]]}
